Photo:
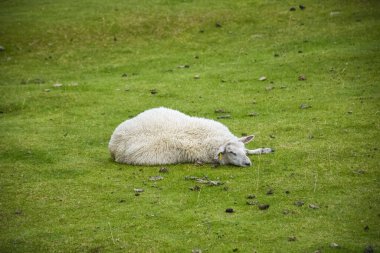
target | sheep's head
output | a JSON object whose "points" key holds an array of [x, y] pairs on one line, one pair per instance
{"points": [[234, 152]]}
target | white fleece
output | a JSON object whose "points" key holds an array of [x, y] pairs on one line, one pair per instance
{"points": [[165, 136]]}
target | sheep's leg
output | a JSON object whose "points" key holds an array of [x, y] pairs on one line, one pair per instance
{"points": [[259, 151]]}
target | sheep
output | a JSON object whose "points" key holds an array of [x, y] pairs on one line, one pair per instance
{"points": [[161, 136]]}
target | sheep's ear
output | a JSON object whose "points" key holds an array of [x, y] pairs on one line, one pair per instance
{"points": [[247, 139], [220, 153]]}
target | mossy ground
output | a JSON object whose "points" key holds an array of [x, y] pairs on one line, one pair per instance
{"points": [[59, 189]]}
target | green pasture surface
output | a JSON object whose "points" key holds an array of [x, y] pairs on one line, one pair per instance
{"points": [[61, 192]]}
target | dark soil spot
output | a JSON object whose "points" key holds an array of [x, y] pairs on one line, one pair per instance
{"points": [[251, 196], [302, 78], [270, 192], [235, 250], [366, 228], [226, 116], [229, 210], [299, 203], [287, 192], [221, 110], [292, 8], [122, 201], [263, 206], [368, 249], [253, 114], [195, 188]]}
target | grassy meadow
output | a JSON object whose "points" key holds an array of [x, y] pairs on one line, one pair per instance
{"points": [[71, 71]]}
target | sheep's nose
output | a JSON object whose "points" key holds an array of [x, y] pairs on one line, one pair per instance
{"points": [[247, 164]]}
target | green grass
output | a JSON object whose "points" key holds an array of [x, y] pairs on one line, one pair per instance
{"points": [[59, 189]]}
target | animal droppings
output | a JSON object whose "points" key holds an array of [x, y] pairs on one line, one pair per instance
{"points": [[302, 7], [251, 196], [270, 192], [163, 170], [156, 178], [195, 188], [229, 210], [305, 106], [153, 91], [263, 206], [292, 238], [334, 245], [313, 206], [292, 8], [302, 78]]}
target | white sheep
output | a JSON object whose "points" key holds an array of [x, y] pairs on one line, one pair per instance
{"points": [[165, 136]]}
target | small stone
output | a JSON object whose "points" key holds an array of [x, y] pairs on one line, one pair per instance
{"points": [[252, 203], [263, 206], [270, 87], [57, 85], [302, 7], [122, 201], [196, 251], [235, 250], [313, 206], [18, 212], [292, 238], [153, 91], [276, 55], [2, 48], [184, 66], [292, 8], [163, 170], [287, 192], [251, 196], [262, 78], [218, 24], [334, 245], [229, 210], [197, 76], [299, 203], [366, 228], [137, 190]]}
